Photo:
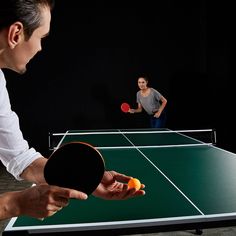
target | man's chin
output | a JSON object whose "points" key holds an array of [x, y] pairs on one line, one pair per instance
{"points": [[21, 71]]}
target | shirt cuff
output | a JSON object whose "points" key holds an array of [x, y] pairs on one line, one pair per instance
{"points": [[17, 165]]}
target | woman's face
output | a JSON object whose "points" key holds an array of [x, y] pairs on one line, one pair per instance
{"points": [[142, 83]]}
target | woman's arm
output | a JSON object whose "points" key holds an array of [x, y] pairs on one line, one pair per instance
{"points": [[162, 107], [137, 110]]}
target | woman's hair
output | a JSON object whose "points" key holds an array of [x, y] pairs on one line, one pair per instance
{"points": [[28, 12], [144, 77]]}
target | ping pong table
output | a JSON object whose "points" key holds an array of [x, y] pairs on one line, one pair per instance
{"points": [[190, 184]]}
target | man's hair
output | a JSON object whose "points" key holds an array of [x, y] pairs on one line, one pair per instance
{"points": [[28, 12]]}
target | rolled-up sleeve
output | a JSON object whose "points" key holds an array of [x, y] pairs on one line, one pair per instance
{"points": [[15, 153]]}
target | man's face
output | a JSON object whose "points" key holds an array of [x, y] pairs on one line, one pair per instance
{"points": [[26, 50]]}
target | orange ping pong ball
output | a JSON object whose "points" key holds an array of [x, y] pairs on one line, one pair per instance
{"points": [[134, 183]]}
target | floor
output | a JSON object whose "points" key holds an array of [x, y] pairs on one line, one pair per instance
{"points": [[8, 183]]}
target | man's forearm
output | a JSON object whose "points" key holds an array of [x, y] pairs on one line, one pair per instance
{"points": [[8, 208], [34, 172]]}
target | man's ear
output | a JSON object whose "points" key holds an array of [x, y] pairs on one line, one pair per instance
{"points": [[15, 34]]}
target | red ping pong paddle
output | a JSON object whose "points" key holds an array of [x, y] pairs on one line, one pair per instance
{"points": [[125, 107], [75, 165]]}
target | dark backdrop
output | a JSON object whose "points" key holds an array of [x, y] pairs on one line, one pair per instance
{"points": [[95, 52]]}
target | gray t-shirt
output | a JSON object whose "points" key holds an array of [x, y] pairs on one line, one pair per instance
{"points": [[150, 103]]}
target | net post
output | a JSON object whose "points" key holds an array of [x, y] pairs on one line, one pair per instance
{"points": [[50, 144], [214, 140]]}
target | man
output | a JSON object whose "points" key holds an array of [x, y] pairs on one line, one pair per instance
{"points": [[23, 24]]}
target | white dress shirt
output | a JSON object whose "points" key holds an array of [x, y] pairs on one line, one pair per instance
{"points": [[15, 153]]}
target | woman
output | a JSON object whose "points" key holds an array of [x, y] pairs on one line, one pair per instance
{"points": [[152, 102]]}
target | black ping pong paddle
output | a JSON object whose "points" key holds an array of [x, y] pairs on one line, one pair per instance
{"points": [[75, 165]]}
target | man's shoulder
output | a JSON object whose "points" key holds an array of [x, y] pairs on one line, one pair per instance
{"points": [[2, 79], [1, 73]]}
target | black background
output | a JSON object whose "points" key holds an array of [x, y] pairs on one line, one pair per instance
{"points": [[95, 52]]}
